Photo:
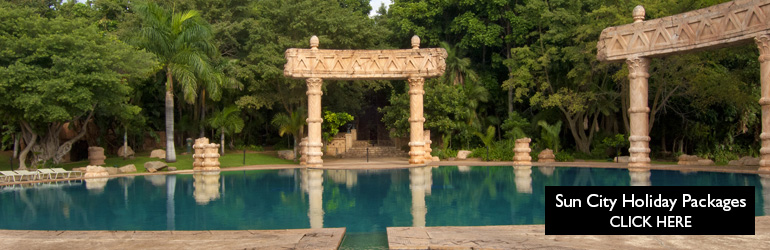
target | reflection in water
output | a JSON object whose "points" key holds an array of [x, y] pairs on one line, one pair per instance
{"points": [[417, 185], [206, 186], [547, 171], [156, 180], [96, 185], [639, 177], [170, 188], [315, 190], [463, 168], [523, 179], [764, 180], [349, 177]]}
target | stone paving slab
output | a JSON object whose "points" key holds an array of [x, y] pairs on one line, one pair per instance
{"points": [[533, 237], [322, 239]]}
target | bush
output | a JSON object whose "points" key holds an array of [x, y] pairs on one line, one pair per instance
{"points": [[564, 156], [499, 151]]}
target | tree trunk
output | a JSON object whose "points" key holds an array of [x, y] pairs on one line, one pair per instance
{"points": [[170, 152], [29, 139], [510, 101], [222, 141], [295, 149], [203, 114], [125, 142], [15, 145]]}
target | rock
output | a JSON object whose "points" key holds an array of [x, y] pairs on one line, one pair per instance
{"points": [[171, 169], [286, 154], [435, 158], [81, 169], [546, 156], [111, 170], [158, 153], [129, 153], [694, 160], [96, 156], [705, 162], [734, 163], [154, 166], [463, 154], [130, 168], [95, 171], [749, 161], [621, 159]]}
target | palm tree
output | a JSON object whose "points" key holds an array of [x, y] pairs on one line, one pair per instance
{"points": [[293, 124], [183, 43], [214, 85], [228, 121], [458, 68], [550, 134], [487, 138]]}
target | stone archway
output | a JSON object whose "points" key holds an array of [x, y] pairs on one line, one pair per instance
{"points": [[414, 65], [718, 26]]}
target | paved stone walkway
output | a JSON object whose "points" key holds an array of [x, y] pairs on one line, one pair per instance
{"points": [[533, 237], [326, 238]]}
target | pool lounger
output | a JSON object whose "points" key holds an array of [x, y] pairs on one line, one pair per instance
{"points": [[50, 173], [62, 171], [10, 174], [28, 174]]}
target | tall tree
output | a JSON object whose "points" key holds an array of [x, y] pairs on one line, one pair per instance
{"points": [[228, 121], [293, 124], [183, 43]]}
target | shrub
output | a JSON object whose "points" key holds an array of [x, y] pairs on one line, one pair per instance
{"points": [[564, 156]]}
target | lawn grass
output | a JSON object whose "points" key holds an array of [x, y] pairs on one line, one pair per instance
{"points": [[182, 161]]}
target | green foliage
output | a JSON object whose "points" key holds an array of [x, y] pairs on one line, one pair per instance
{"points": [[514, 126], [332, 123], [549, 134], [228, 121], [488, 137], [564, 156]]}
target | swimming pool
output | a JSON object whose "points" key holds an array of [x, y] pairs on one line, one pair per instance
{"points": [[363, 201]]}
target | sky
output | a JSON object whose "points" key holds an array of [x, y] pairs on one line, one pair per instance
{"points": [[376, 5]]}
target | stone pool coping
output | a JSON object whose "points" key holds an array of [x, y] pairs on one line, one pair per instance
{"points": [[322, 239], [399, 163], [533, 237]]}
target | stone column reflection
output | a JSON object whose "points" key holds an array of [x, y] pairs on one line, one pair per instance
{"points": [[314, 120], [763, 42], [170, 205], [639, 177], [206, 186], [315, 190], [764, 180], [638, 112], [417, 186], [523, 179]]}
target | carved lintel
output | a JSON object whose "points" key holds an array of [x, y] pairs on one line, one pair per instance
{"points": [[364, 64]]}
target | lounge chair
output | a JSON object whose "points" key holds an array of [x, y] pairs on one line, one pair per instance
{"points": [[28, 174], [10, 174], [49, 172], [68, 173]]}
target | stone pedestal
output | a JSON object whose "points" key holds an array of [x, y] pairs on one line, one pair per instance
{"points": [[763, 42], [206, 157], [416, 120], [96, 156], [95, 171], [427, 158], [546, 156], [638, 112], [314, 120], [521, 152]]}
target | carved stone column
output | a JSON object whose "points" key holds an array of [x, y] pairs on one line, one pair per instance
{"points": [[763, 42], [426, 139], [639, 113], [314, 120], [416, 120]]}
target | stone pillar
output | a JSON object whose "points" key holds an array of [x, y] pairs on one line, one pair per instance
{"points": [[763, 42], [315, 196], [638, 112], [303, 151], [416, 120], [521, 152], [206, 157], [426, 139], [96, 156], [314, 120]]}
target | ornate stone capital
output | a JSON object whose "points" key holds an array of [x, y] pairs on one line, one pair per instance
{"points": [[763, 43], [416, 85], [314, 86], [638, 67]]}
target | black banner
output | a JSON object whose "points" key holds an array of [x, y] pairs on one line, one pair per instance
{"points": [[688, 210]]}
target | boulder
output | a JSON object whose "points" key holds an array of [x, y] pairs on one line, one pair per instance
{"points": [[435, 158], [463, 154], [171, 169], [705, 162], [80, 169], [95, 171], [111, 170], [621, 159], [745, 161], [129, 152], [158, 153], [546, 156], [154, 166], [286, 154], [694, 160], [130, 168]]}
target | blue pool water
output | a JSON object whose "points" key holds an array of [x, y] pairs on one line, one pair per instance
{"points": [[363, 201]]}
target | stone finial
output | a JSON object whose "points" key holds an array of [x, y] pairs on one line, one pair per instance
{"points": [[314, 42], [638, 13], [415, 42]]}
